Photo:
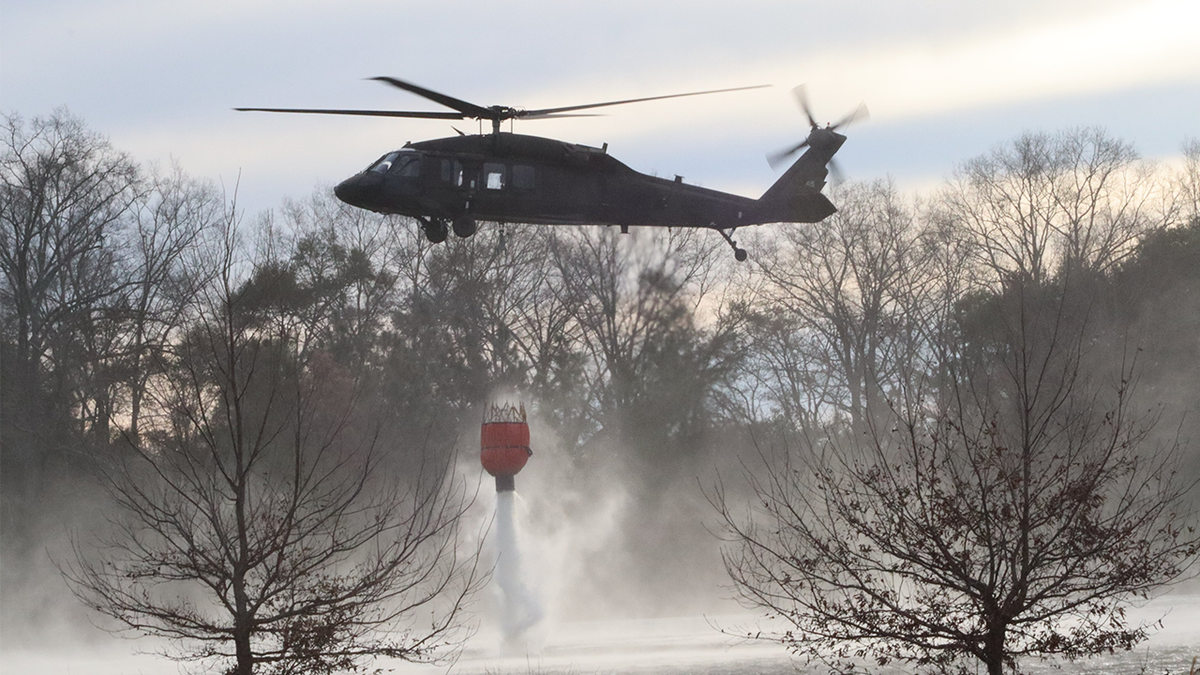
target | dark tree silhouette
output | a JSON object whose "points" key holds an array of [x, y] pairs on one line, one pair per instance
{"points": [[64, 194], [258, 526], [1010, 512]]}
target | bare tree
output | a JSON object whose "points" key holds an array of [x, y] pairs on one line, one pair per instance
{"points": [[1078, 198], [1189, 180], [848, 286], [65, 195], [651, 360], [258, 526], [91, 253], [169, 222], [64, 192], [785, 374], [1014, 517]]}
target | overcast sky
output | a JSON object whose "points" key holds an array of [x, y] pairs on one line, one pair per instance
{"points": [[945, 80]]}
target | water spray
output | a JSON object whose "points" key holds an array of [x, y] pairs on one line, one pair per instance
{"points": [[504, 450]]}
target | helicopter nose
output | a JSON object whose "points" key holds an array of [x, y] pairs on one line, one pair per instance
{"points": [[355, 191]]}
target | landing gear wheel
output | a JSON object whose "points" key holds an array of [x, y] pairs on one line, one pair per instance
{"points": [[435, 231], [465, 226], [739, 253]]}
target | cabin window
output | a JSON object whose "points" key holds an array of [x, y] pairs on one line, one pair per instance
{"points": [[408, 166], [452, 172], [493, 176], [522, 176], [385, 163]]}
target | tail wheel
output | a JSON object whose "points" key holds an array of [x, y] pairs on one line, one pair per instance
{"points": [[436, 231], [738, 252], [465, 226]]}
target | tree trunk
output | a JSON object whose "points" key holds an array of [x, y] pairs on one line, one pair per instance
{"points": [[245, 658], [993, 650]]}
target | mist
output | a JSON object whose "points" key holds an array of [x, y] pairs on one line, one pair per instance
{"points": [[653, 365]]}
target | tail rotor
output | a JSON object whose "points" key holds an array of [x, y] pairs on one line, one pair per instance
{"points": [[818, 136]]}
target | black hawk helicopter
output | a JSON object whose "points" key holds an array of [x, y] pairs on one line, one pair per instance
{"points": [[453, 183]]}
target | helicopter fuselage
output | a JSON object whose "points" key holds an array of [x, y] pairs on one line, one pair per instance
{"points": [[504, 177], [452, 183]]}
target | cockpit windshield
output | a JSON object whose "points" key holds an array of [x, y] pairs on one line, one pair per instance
{"points": [[403, 163], [384, 164], [407, 165]]}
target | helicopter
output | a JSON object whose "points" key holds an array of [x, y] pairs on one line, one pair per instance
{"points": [[451, 184]]}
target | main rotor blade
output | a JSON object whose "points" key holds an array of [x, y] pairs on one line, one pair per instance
{"points": [[802, 98], [554, 116], [464, 107], [368, 113], [549, 111], [780, 156]]}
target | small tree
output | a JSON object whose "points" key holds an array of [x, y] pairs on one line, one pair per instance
{"points": [[1010, 512], [257, 528]]}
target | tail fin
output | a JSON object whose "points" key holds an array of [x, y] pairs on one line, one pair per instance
{"points": [[796, 197]]}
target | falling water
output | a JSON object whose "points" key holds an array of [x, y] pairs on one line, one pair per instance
{"points": [[520, 608]]}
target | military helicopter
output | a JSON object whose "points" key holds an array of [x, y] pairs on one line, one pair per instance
{"points": [[453, 183]]}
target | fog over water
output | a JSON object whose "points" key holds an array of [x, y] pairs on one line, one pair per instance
{"points": [[659, 646], [576, 603]]}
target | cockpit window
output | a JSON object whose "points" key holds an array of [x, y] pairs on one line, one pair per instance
{"points": [[384, 164], [408, 166]]}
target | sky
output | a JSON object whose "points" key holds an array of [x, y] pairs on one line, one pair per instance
{"points": [[945, 80]]}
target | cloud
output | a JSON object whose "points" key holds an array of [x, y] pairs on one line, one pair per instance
{"points": [[1125, 47], [160, 79]]}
